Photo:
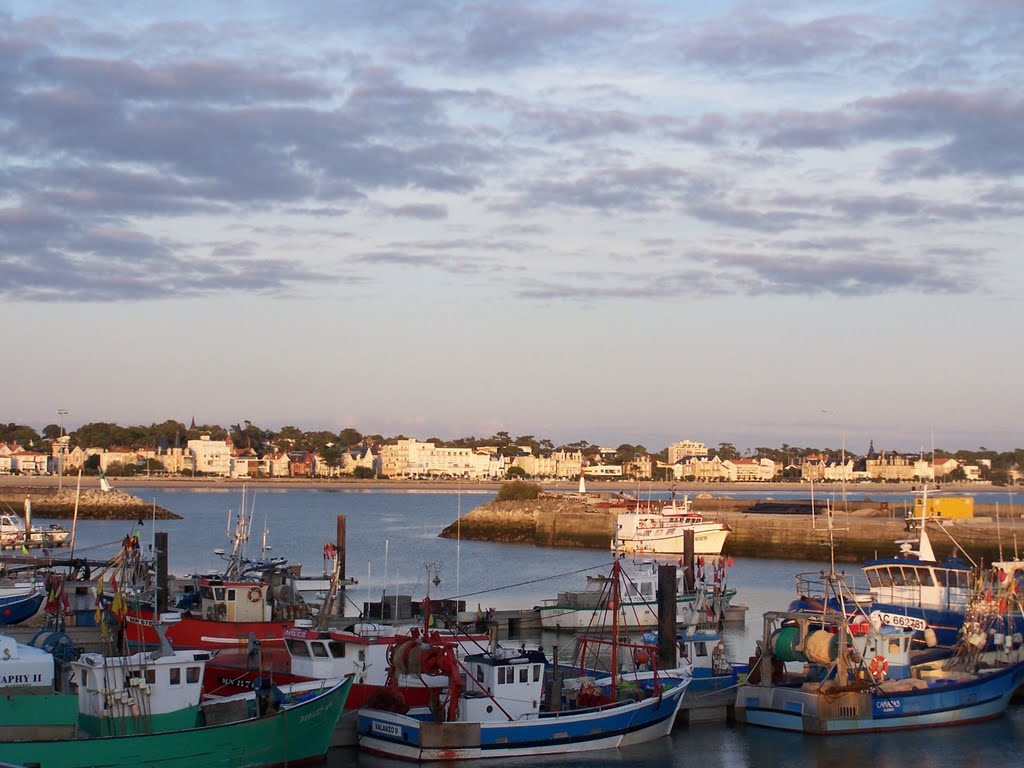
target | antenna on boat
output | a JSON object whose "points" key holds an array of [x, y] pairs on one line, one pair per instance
{"points": [[458, 540], [384, 589]]}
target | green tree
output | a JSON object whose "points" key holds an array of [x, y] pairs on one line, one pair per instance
{"points": [[100, 434], [349, 437], [19, 433], [728, 451], [363, 473], [518, 491], [515, 472]]}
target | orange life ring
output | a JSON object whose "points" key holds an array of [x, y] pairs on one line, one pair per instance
{"points": [[255, 595], [879, 667]]}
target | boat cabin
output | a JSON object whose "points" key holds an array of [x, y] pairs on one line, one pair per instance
{"points": [[144, 683], [24, 669], [927, 584], [234, 601], [515, 680]]}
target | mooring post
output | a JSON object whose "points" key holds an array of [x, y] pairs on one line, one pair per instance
{"points": [[667, 617], [340, 543], [160, 542]]}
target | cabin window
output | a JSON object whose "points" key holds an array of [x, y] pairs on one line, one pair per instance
{"points": [[297, 647], [506, 675], [151, 676], [700, 648], [191, 674], [524, 675], [218, 593], [83, 679], [898, 579], [479, 673], [319, 650], [646, 588], [884, 577], [175, 673], [337, 649], [536, 673], [872, 577], [925, 577], [231, 595], [206, 593]]}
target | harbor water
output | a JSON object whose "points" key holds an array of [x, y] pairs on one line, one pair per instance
{"points": [[392, 547]]}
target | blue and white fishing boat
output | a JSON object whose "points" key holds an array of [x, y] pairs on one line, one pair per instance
{"points": [[494, 707], [19, 605], [911, 589], [859, 675], [701, 656]]}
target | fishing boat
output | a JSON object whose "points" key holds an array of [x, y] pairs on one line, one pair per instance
{"points": [[700, 654], [15, 533], [251, 599], [637, 608], [494, 706], [144, 710], [913, 588], [663, 531], [858, 674], [20, 604], [361, 649]]}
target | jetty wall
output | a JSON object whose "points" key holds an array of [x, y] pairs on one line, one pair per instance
{"points": [[862, 533], [54, 503]]}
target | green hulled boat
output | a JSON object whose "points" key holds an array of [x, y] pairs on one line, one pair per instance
{"points": [[142, 711]]}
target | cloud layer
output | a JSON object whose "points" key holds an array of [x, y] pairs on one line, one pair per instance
{"points": [[809, 152]]}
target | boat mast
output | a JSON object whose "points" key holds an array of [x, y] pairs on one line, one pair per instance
{"points": [[616, 594]]}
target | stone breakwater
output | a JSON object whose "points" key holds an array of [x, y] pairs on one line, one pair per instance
{"points": [[92, 504], [865, 532]]}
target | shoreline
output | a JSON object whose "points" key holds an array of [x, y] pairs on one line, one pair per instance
{"points": [[593, 486]]}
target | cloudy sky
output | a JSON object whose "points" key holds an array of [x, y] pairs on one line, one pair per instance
{"points": [[617, 221]]}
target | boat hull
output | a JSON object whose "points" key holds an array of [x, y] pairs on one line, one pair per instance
{"points": [[670, 541], [18, 608], [940, 704], [296, 735], [191, 633], [406, 738], [632, 615]]}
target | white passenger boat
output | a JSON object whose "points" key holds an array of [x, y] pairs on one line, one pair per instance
{"points": [[663, 531]]}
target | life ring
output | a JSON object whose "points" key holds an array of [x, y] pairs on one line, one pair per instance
{"points": [[879, 667], [255, 595]]}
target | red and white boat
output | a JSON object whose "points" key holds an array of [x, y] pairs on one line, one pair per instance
{"points": [[253, 599], [226, 615], [365, 650]]}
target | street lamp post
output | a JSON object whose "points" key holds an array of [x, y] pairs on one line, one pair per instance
{"points": [[842, 440], [61, 413]]}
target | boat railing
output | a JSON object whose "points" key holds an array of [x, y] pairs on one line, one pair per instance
{"points": [[821, 584]]}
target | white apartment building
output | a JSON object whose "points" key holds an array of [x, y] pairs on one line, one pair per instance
{"points": [[684, 449], [411, 458], [212, 457], [750, 470]]}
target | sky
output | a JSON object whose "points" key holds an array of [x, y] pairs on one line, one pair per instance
{"points": [[627, 222]]}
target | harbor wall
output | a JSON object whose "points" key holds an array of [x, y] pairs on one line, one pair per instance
{"points": [[864, 532], [93, 504]]}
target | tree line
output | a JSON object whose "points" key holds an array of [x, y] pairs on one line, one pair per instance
{"points": [[330, 445]]}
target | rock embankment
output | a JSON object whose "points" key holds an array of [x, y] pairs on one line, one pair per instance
{"points": [[865, 533], [92, 504], [552, 521]]}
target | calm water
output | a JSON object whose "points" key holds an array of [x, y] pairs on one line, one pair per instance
{"points": [[393, 536]]}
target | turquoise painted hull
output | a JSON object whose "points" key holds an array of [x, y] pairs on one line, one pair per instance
{"points": [[299, 733]]}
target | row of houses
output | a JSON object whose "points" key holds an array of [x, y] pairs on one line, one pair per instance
{"points": [[409, 458]]}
